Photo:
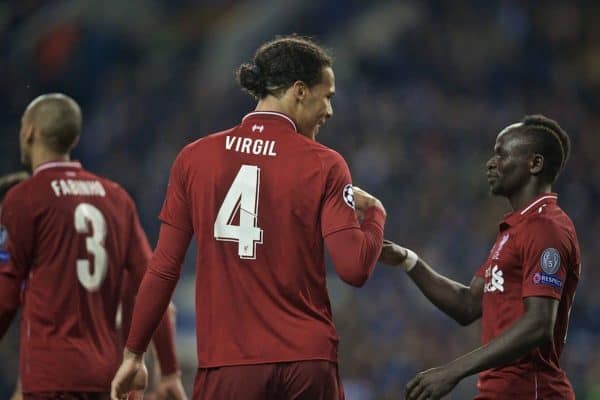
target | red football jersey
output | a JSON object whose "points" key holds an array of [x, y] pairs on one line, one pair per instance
{"points": [[536, 254], [71, 235], [260, 198]]}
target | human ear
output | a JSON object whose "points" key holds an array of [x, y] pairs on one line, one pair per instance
{"points": [[536, 164], [300, 90]]}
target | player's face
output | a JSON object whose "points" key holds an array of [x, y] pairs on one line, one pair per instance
{"points": [[316, 106], [508, 169]]}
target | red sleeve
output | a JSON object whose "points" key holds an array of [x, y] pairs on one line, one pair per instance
{"points": [[16, 252], [545, 259], [337, 212], [354, 251], [164, 344], [176, 211], [157, 286], [139, 256]]}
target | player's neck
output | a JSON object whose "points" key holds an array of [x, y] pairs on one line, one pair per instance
{"points": [[529, 193], [274, 104], [44, 156]]}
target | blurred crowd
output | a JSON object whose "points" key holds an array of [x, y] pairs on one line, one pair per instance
{"points": [[423, 87]]}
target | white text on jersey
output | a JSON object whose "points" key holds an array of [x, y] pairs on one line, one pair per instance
{"points": [[257, 147], [75, 187]]}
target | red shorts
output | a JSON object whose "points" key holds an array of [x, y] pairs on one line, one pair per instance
{"points": [[66, 396], [300, 380]]}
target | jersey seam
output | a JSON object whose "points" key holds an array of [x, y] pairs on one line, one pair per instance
{"points": [[340, 228]]}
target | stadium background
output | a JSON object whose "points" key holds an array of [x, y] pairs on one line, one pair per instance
{"points": [[422, 90]]}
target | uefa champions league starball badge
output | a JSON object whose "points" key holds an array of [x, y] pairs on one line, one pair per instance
{"points": [[348, 195]]}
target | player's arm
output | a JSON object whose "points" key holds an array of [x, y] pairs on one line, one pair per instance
{"points": [[139, 256], [16, 249], [151, 304], [354, 251], [532, 330], [353, 248], [157, 285], [164, 335], [460, 302]]}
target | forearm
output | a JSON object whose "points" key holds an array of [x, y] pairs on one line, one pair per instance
{"points": [[451, 297], [164, 343], [157, 288], [354, 252], [151, 304], [524, 336]]}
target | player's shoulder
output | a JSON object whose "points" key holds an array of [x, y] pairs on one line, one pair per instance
{"points": [[110, 186], [19, 192], [328, 156], [201, 144], [548, 221]]}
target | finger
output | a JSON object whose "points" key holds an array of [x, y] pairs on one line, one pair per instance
{"points": [[413, 382], [424, 396], [414, 389], [113, 392]]}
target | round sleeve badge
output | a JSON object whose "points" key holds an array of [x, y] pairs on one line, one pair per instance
{"points": [[550, 261], [348, 196]]}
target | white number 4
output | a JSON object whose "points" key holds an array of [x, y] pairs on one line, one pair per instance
{"points": [[242, 199]]}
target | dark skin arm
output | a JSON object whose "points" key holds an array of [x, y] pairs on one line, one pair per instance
{"points": [[535, 328], [460, 302]]}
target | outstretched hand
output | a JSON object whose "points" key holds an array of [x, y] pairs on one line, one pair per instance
{"points": [[392, 253], [432, 384]]}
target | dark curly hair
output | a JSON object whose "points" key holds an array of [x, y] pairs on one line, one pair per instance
{"points": [[281, 62], [548, 139]]}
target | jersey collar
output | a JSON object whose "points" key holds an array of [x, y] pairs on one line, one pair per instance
{"points": [[536, 205], [272, 115], [57, 164]]}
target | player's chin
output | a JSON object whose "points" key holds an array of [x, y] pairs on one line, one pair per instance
{"points": [[496, 189]]}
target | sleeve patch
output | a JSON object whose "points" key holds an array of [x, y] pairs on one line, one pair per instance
{"points": [[540, 278], [550, 261], [348, 196]]}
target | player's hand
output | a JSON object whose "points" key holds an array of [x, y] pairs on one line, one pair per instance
{"points": [[363, 200], [132, 376], [170, 388], [392, 253], [432, 384]]}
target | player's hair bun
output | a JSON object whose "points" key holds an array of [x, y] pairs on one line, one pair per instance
{"points": [[251, 79]]}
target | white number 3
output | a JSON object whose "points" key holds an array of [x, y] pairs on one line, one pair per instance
{"points": [[94, 244], [242, 199]]}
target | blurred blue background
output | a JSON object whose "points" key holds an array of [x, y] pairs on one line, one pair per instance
{"points": [[423, 87]]}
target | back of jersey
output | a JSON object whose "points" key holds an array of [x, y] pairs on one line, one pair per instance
{"points": [[260, 198], [83, 234]]}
